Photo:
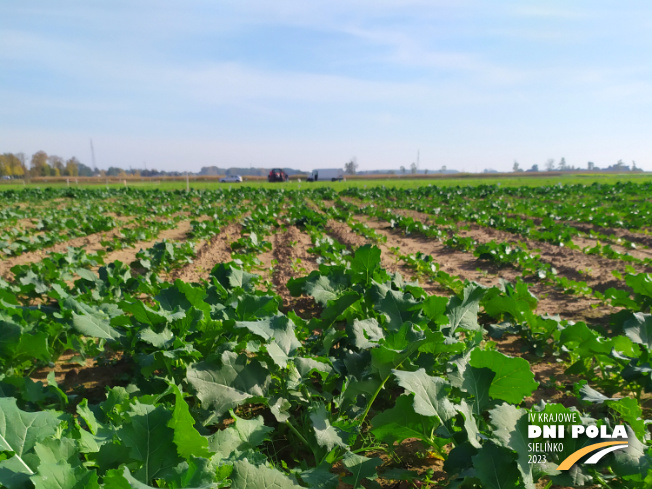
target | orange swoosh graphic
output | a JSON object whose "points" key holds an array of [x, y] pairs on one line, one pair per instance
{"points": [[575, 456]]}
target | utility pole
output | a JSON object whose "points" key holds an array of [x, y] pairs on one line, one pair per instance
{"points": [[93, 156]]}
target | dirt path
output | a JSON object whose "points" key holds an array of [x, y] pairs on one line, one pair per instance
{"points": [[290, 250], [209, 253]]}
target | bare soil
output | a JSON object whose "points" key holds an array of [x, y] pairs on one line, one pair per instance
{"points": [[91, 377], [289, 249], [216, 250], [127, 255], [468, 267]]}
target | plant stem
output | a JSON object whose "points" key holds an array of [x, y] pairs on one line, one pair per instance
{"points": [[300, 436]]}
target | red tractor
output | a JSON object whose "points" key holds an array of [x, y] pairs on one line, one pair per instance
{"points": [[277, 175]]}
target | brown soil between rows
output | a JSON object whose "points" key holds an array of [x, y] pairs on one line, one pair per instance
{"points": [[127, 255], [468, 267], [345, 235], [89, 376], [596, 271], [91, 244], [216, 250], [551, 253], [290, 250]]}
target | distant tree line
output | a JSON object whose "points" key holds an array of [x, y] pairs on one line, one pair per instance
{"points": [[43, 165], [552, 165]]}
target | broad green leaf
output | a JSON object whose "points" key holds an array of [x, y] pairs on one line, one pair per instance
{"points": [[325, 288], [337, 307], [187, 439], [513, 380], [34, 345], [231, 277], [365, 261], [320, 477], [495, 467], [20, 430], [146, 315], [164, 339], [366, 333], [401, 421], [63, 476], [96, 325], [182, 296], [278, 329], [252, 307], [399, 308], [326, 435], [463, 313], [633, 460], [223, 386], [55, 450], [149, 440], [631, 413], [470, 424], [511, 426], [639, 329], [248, 476], [361, 468], [430, 393]]}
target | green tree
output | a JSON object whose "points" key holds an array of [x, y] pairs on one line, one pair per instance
{"points": [[72, 167], [39, 165]]}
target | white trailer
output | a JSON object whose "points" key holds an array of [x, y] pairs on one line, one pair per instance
{"points": [[326, 174]]}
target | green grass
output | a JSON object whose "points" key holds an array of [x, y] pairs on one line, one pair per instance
{"points": [[398, 181]]}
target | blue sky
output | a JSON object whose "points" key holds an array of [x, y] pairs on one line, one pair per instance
{"points": [[468, 84]]}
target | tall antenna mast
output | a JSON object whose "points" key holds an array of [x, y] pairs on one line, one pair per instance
{"points": [[93, 155]]}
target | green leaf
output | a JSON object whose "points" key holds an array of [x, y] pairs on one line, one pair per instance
{"points": [[224, 386], [63, 476], [463, 313], [365, 261], [366, 333], [399, 308], [146, 315], [149, 440], [248, 476], [470, 424], [639, 329], [187, 439], [231, 277], [495, 467], [337, 307], [251, 307], [511, 426], [326, 435], [278, 329], [20, 430], [326, 288], [513, 380], [430, 393], [96, 325], [161, 340], [361, 468], [631, 413], [401, 422]]}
